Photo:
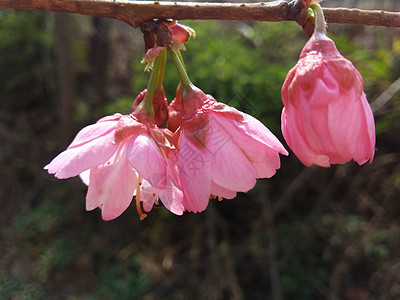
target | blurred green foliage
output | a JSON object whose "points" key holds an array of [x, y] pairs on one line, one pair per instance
{"points": [[122, 283], [25, 60], [337, 232]]}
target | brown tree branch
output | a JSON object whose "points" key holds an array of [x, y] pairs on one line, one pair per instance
{"points": [[135, 12]]}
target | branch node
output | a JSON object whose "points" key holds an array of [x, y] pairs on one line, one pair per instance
{"points": [[299, 13]]}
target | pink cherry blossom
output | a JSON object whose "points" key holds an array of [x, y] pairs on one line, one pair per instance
{"points": [[115, 157], [327, 118], [221, 150]]}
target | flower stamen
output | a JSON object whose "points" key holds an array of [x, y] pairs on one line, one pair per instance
{"points": [[219, 198], [142, 215]]}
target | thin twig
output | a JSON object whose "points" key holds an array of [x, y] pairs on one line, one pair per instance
{"points": [[291, 190], [386, 96], [135, 12]]}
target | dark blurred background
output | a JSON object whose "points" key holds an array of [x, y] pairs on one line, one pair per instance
{"points": [[307, 233]]}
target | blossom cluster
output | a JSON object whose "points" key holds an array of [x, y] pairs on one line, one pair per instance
{"points": [[196, 148]]}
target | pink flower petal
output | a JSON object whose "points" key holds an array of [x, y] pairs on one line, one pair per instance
{"points": [[255, 129], [74, 161], [239, 176], [265, 159], [310, 120], [293, 134], [128, 126], [172, 197], [220, 191], [370, 128], [152, 53], [92, 132], [147, 196], [345, 127], [112, 187], [266, 168], [179, 33], [147, 160], [85, 175], [195, 175]]}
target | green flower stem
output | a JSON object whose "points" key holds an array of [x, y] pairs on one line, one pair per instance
{"points": [[161, 71], [178, 62], [156, 77], [320, 25], [181, 58]]}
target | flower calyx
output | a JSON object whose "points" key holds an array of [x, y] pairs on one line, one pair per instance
{"points": [[307, 3], [160, 107], [159, 34]]}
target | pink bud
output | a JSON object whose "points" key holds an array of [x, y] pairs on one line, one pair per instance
{"points": [[327, 118], [180, 33], [307, 3], [152, 53]]}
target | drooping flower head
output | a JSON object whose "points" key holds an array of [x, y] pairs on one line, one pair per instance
{"points": [[121, 156], [221, 150], [326, 117]]}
